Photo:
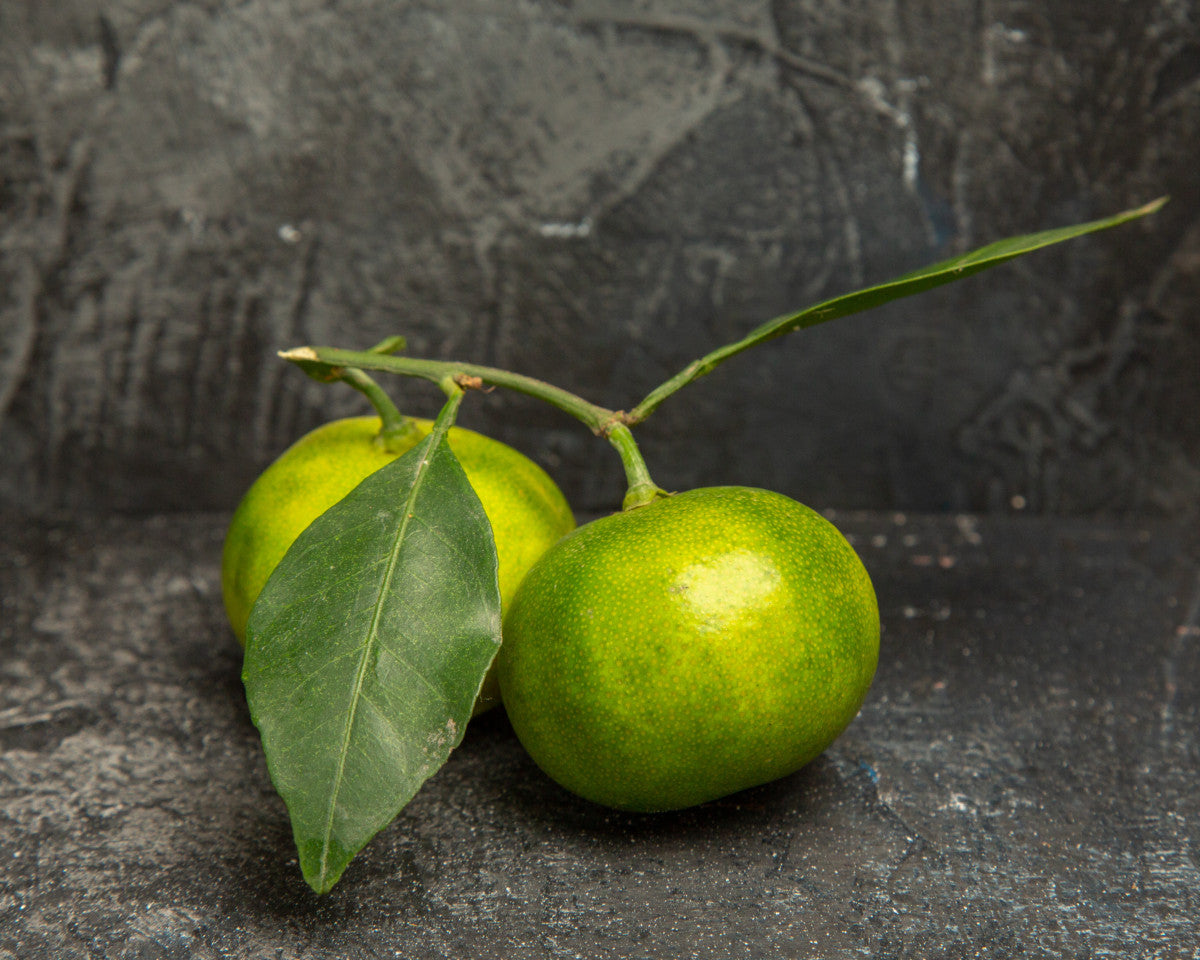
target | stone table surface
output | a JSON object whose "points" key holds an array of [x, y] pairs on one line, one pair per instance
{"points": [[1021, 781]]}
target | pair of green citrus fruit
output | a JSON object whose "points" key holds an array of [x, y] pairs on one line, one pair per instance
{"points": [[654, 659]]}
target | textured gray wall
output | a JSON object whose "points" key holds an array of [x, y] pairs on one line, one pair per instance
{"points": [[597, 193]]}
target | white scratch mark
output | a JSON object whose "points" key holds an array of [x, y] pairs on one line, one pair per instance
{"points": [[872, 88], [567, 231], [912, 159], [995, 35], [959, 803]]}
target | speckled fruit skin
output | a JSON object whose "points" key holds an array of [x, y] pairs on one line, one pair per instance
{"points": [[527, 511], [682, 651]]}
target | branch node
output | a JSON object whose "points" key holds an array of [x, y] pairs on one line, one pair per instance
{"points": [[619, 418], [468, 382]]}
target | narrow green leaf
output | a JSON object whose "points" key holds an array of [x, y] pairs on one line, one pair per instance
{"points": [[367, 647], [918, 281], [926, 278]]}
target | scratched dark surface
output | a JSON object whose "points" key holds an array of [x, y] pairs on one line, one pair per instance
{"points": [[597, 191], [1021, 781]]}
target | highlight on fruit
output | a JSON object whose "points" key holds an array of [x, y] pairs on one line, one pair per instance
{"points": [[391, 576]]}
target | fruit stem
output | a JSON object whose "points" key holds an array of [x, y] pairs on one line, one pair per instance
{"points": [[324, 362], [315, 360], [398, 431], [641, 490]]}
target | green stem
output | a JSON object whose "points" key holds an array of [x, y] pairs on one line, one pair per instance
{"points": [[693, 371], [390, 345], [398, 431], [323, 362], [449, 412], [317, 361], [640, 489], [453, 391]]}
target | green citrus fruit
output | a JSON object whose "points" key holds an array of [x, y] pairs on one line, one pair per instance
{"points": [[527, 511], [681, 651]]}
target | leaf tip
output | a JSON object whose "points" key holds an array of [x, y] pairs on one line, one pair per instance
{"points": [[1155, 205], [321, 884], [322, 865]]}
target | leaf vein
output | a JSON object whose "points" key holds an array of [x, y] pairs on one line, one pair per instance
{"points": [[419, 475]]}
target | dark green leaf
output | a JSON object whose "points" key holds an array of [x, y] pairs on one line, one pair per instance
{"points": [[367, 647], [918, 281]]}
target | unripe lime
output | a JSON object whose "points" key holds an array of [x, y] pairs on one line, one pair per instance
{"points": [[527, 511], [681, 651]]}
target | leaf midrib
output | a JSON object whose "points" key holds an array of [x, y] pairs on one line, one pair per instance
{"points": [[372, 638]]}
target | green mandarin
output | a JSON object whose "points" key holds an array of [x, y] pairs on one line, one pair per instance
{"points": [[527, 511], [678, 652]]}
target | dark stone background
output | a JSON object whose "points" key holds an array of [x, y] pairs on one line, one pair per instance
{"points": [[1020, 784], [597, 193]]}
